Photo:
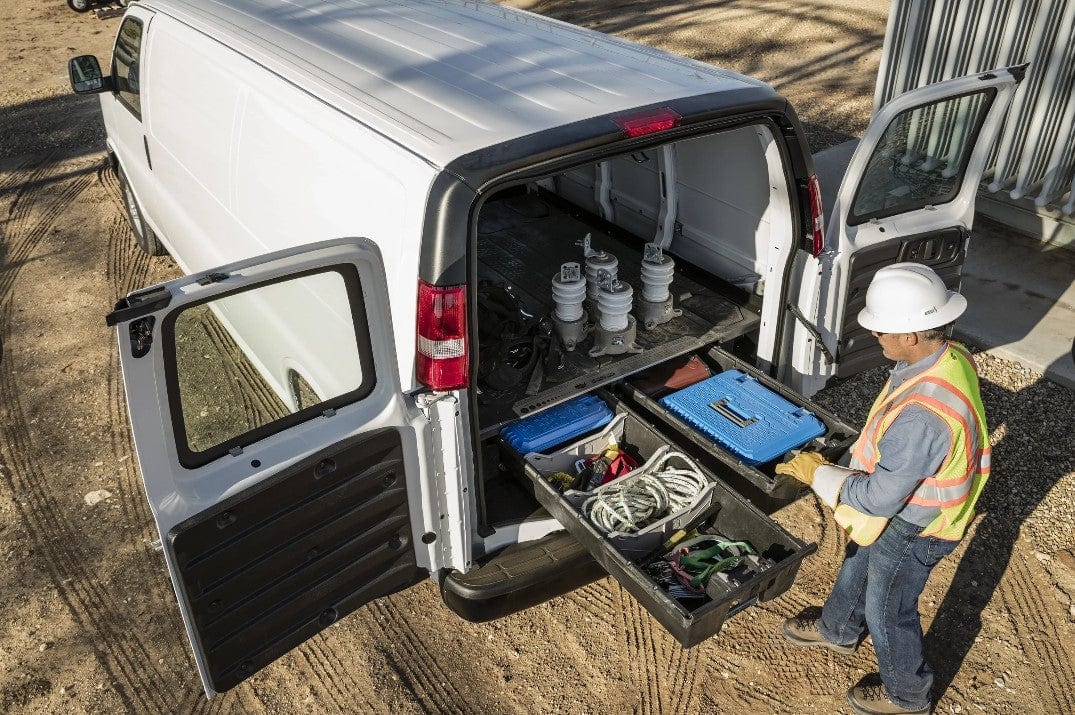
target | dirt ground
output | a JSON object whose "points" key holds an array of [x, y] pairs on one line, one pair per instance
{"points": [[88, 621]]}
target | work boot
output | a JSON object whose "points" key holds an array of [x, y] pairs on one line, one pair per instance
{"points": [[869, 698], [803, 630]]}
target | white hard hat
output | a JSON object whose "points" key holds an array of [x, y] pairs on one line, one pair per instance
{"points": [[908, 297]]}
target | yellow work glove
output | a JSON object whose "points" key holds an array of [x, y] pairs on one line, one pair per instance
{"points": [[802, 466]]}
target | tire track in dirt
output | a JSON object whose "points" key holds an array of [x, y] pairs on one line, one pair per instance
{"points": [[1035, 627], [414, 661], [598, 600], [90, 603], [319, 660], [337, 677], [24, 232], [91, 608], [665, 673]]}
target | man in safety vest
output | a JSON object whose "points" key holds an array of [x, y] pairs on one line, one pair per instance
{"points": [[908, 495]]}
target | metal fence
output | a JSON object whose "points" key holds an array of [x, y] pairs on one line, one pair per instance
{"points": [[931, 40]]}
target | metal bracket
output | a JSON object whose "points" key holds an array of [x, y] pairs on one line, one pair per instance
{"points": [[138, 304], [814, 332]]}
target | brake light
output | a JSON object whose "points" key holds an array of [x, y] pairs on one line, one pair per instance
{"points": [[441, 359], [817, 215], [658, 120]]}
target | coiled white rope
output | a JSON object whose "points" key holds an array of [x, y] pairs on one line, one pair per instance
{"points": [[645, 495]]}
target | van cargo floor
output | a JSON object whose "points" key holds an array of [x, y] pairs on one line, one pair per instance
{"points": [[522, 241]]}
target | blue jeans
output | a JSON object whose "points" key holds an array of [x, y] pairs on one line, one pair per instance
{"points": [[877, 591]]}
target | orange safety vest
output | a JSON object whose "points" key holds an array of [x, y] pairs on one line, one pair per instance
{"points": [[949, 390]]}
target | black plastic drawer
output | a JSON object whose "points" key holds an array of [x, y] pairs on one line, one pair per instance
{"points": [[838, 437], [728, 513]]}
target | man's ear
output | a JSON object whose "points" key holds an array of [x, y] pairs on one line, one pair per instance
{"points": [[913, 339]]}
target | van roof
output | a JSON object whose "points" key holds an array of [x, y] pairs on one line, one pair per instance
{"points": [[448, 77]]}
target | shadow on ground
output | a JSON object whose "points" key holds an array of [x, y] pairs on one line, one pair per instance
{"points": [[67, 125]]}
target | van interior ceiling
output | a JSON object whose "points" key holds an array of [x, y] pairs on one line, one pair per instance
{"points": [[714, 205]]}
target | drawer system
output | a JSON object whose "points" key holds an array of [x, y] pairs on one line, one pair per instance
{"points": [[701, 559], [718, 510]]}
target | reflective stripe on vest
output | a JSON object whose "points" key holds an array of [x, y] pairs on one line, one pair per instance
{"points": [[949, 390]]}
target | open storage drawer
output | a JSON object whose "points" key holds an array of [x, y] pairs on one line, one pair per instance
{"points": [[837, 439], [720, 510]]}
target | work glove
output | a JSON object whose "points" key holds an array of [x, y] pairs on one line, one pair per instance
{"points": [[802, 466]]}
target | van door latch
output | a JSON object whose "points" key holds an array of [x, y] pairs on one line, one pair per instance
{"points": [[814, 332], [141, 332]]}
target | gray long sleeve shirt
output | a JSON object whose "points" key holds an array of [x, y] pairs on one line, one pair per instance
{"points": [[913, 447]]}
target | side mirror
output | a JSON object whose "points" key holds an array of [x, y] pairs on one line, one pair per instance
{"points": [[86, 77]]}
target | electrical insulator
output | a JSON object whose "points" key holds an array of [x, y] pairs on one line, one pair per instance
{"points": [[614, 299], [568, 293], [657, 273]]}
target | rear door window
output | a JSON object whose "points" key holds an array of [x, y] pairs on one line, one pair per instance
{"points": [[922, 158], [126, 65]]}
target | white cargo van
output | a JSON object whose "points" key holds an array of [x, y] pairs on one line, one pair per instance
{"points": [[375, 200]]}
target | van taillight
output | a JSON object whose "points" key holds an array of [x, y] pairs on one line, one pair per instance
{"points": [[817, 215], [658, 120], [441, 359]]}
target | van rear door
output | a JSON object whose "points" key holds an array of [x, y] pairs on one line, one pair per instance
{"points": [[907, 195], [278, 453]]}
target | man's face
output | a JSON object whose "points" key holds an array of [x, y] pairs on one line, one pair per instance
{"points": [[894, 345]]}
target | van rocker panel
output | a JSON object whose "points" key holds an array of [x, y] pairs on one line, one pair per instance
{"points": [[275, 564]]}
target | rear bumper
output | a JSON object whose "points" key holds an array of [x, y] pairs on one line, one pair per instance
{"points": [[520, 576]]}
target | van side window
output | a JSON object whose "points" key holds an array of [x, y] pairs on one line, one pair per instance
{"points": [[126, 65]]}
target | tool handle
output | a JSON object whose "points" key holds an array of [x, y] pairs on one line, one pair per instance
{"points": [[730, 413]]}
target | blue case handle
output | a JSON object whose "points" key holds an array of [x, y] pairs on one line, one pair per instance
{"points": [[728, 411]]}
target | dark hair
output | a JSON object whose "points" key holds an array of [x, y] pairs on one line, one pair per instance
{"points": [[938, 333]]}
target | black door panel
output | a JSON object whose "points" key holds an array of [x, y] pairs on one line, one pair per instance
{"points": [[943, 251], [270, 567]]}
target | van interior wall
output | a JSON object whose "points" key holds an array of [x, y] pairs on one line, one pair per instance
{"points": [[722, 219]]}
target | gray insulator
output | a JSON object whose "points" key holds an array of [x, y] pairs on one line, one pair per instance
{"points": [[658, 271], [614, 300], [568, 292]]}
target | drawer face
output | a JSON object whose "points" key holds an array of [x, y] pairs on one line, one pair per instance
{"points": [[723, 511]]}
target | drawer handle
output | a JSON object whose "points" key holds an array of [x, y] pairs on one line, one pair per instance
{"points": [[734, 416]]}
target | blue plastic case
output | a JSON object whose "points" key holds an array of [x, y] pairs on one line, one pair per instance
{"points": [[745, 417], [557, 425]]}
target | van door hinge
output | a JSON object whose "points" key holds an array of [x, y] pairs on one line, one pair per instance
{"points": [[453, 495], [814, 332]]}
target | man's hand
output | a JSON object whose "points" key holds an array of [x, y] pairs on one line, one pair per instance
{"points": [[802, 467]]}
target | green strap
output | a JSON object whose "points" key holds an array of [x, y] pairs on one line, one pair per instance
{"points": [[702, 560]]}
